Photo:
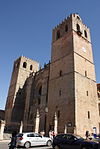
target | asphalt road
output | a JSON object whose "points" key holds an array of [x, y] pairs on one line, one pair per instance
{"points": [[4, 145]]}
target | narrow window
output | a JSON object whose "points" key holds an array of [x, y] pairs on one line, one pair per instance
{"points": [[66, 28], [58, 35], [88, 114], [30, 67], [60, 73], [85, 33], [85, 73], [78, 27], [24, 64], [87, 93], [58, 113], [99, 108]]}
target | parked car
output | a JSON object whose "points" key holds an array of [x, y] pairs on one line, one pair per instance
{"points": [[32, 139], [97, 139], [70, 141]]}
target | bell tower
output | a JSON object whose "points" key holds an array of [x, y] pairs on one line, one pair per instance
{"points": [[72, 86], [14, 109]]}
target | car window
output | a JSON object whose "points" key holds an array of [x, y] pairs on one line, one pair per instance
{"points": [[60, 136], [37, 135], [20, 135], [78, 137], [30, 135], [68, 137]]}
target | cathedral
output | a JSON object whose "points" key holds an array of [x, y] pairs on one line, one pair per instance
{"points": [[62, 96]]}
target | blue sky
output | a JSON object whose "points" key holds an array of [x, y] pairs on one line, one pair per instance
{"points": [[26, 29]]}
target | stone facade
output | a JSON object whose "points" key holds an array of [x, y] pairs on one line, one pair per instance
{"points": [[14, 110], [2, 114], [98, 91], [63, 95]]}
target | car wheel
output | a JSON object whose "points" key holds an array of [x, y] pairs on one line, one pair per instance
{"points": [[49, 143], [57, 147], [27, 144]]}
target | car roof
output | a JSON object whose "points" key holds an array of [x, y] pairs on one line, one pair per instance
{"points": [[65, 134], [24, 133]]}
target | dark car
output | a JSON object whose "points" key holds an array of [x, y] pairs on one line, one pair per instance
{"points": [[70, 141]]}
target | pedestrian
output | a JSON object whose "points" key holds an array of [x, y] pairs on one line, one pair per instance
{"points": [[12, 144], [87, 135], [53, 134], [95, 135]]}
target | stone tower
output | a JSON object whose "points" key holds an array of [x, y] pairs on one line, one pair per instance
{"points": [[72, 84], [22, 69]]}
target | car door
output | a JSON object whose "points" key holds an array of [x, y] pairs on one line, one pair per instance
{"points": [[40, 140], [66, 142], [69, 142], [32, 139], [73, 142]]}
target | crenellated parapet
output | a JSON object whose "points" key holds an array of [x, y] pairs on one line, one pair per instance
{"points": [[69, 24]]}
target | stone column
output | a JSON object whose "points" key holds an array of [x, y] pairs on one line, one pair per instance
{"points": [[55, 124], [65, 130], [37, 122], [2, 125], [21, 127]]}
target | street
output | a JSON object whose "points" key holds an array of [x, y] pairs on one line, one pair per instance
{"points": [[4, 145]]}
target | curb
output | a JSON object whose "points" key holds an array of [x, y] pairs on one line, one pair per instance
{"points": [[2, 141]]}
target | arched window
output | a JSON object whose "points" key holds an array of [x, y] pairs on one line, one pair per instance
{"points": [[78, 27], [85, 33], [40, 90], [58, 35], [31, 67], [78, 17], [66, 28], [38, 94], [24, 64]]}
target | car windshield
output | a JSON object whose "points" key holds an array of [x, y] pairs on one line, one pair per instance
{"points": [[79, 137]]}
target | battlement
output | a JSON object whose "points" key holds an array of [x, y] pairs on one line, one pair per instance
{"points": [[24, 57], [74, 15], [26, 64], [72, 22]]}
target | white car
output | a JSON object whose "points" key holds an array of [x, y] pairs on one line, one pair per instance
{"points": [[32, 139]]}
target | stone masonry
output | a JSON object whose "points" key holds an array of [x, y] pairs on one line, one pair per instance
{"points": [[65, 88]]}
